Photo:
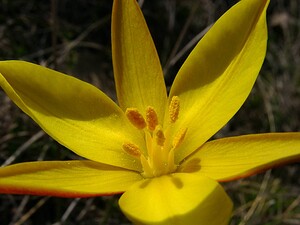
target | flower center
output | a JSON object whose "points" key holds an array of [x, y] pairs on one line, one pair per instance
{"points": [[158, 158]]}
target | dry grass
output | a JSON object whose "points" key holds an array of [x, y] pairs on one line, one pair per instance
{"points": [[75, 38]]}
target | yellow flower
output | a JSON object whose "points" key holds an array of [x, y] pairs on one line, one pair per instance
{"points": [[152, 147]]}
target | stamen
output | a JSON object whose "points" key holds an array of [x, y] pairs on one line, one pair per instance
{"points": [[132, 149], [174, 109], [151, 118], [178, 139], [159, 136], [136, 118]]}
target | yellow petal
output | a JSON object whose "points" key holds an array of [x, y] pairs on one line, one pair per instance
{"points": [[218, 75], [65, 179], [137, 70], [177, 199], [75, 113], [236, 157]]}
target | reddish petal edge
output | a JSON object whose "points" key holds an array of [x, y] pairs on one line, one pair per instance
{"points": [[69, 179], [264, 168], [55, 193]]}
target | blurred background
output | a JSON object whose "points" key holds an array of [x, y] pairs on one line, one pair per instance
{"points": [[74, 37]]}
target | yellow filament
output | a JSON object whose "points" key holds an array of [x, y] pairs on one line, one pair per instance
{"points": [[136, 118], [132, 149], [174, 109], [151, 118]]}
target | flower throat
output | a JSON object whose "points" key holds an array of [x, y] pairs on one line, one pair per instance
{"points": [[158, 159]]}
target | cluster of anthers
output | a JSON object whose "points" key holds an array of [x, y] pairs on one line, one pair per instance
{"points": [[158, 158]]}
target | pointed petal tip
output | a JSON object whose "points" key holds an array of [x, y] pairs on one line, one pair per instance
{"points": [[137, 69], [65, 179], [218, 75], [237, 157], [87, 119]]}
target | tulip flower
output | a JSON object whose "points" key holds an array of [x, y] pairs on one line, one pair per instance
{"points": [[154, 148]]}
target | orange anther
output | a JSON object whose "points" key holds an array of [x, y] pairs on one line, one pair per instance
{"points": [[151, 118], [178, 139], [174, 109], [132, 149], [159, 136], [135, 117]]}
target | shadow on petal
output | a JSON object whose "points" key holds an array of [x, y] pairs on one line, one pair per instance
{"points": [[177, 199]]}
